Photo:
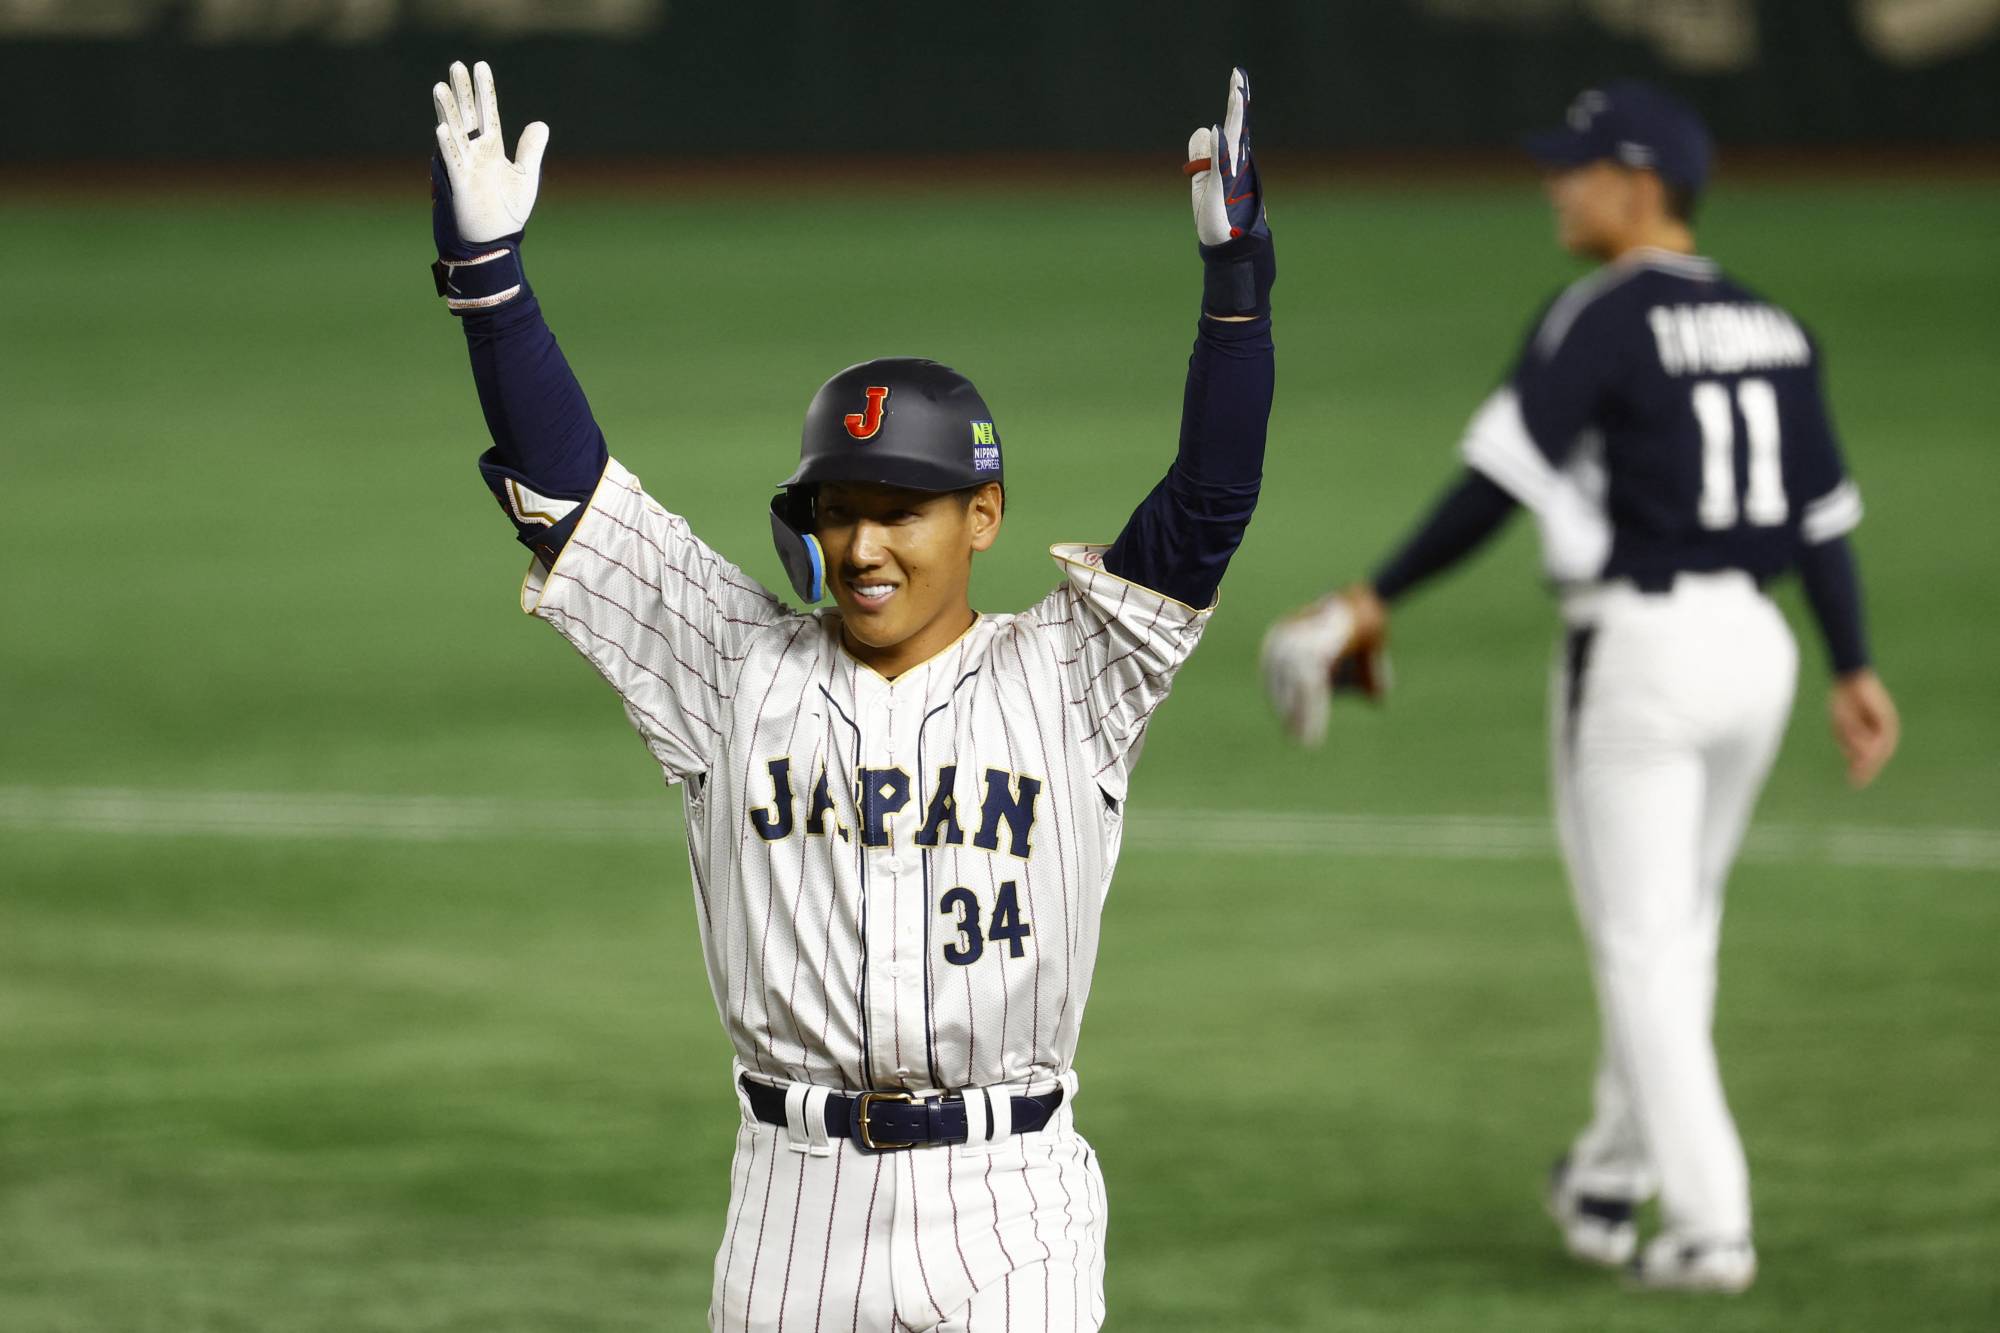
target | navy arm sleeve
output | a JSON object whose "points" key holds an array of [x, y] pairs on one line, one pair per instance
{"points": [[547, 449], [1464, 518], [547, 452], [1825, 506], [535, 410], [1833, 589], [1181, 537]]}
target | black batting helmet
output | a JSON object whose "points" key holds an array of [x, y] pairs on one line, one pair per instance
{"points": [[894, 421]]}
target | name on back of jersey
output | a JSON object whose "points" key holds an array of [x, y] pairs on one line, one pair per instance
{"points": [[1726, 338]]}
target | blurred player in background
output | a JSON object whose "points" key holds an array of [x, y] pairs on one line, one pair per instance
{"points": [[902, 815], [1667, 430]]}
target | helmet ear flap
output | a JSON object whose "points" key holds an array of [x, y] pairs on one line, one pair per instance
{"points": [[798, 550]]}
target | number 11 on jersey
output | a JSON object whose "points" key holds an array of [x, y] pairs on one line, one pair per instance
{"points": [[1764, 503]]}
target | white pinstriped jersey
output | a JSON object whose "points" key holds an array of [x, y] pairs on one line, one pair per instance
{"points": [[899, 883]]}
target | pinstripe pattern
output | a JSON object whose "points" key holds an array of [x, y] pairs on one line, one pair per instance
{"points": [[852, 962], [899, 1252], [827, 957]]}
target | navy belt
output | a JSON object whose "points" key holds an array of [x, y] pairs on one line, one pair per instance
{"points": [[1657, 583], [1654, 584], [892, 1121]]}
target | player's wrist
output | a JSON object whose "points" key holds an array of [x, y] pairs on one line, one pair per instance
{"points": [[1237, 276], [482, 281], [1848, 677], [1217, 328], [1371, 614]]}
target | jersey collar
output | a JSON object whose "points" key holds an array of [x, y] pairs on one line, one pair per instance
{"points": [[829, 617], [1652, 256]]}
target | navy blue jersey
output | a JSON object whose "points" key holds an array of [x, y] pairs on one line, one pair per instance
{"points": [[1691, 409]]}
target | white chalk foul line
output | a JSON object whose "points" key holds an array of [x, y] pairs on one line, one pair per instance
{"points": [[384, 818], [333, 815], [1516, 837]]}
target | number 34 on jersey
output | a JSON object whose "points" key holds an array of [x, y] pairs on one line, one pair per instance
{"points": [[1004, 824]]}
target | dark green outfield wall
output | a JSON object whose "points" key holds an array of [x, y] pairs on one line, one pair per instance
{"points": [[347, 78]]}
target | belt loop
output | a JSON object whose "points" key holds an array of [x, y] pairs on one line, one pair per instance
{"points": [[814, 1112], [737, 1073], [798, 1132], [1000, 1114], [934, 1119], [978, 1119]]}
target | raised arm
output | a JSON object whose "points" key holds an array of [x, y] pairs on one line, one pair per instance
{"points": [[664, 619], [548, 452], [1181, 537]]}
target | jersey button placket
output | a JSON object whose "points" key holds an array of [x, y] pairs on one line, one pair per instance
{"points": [[886, 1005], [902, 868]]}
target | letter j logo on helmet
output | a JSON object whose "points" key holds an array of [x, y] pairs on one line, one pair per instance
{"points": [[863, 425]]}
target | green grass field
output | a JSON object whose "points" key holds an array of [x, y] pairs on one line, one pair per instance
{"points": [[371, 1048]]}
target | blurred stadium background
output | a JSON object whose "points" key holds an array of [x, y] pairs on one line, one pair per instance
{"points": [[347, 974]]}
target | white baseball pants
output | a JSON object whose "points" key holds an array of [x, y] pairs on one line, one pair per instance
{"points": [[1667, 711], [958, 1239]]}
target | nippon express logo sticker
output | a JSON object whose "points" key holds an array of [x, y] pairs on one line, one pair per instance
{"points": [[985, 448]]}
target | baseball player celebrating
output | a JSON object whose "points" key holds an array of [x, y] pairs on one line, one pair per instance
{"points": [[1666, 428], [902, 814]]}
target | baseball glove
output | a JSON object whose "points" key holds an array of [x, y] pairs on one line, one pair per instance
{"points": [[1322, 649]]}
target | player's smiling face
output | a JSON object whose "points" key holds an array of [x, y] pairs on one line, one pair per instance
{"points": [[899, 563]]}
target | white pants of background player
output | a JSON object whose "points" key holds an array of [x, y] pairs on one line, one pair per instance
{"points": [[958, 1239], [1661, 744]]}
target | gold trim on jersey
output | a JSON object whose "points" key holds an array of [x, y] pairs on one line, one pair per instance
{"points": [[1055, 553], [521, 510], [549, 571]]}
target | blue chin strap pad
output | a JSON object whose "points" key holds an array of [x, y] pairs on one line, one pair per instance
{"points": [[799, 552]]}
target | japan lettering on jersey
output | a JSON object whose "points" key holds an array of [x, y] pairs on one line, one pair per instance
{"points": [[898, 882], [1678, 412]]}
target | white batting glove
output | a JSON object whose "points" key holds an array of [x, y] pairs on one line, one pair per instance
{"points": [[491, 197], [1238, 262], [1224, 185]]}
